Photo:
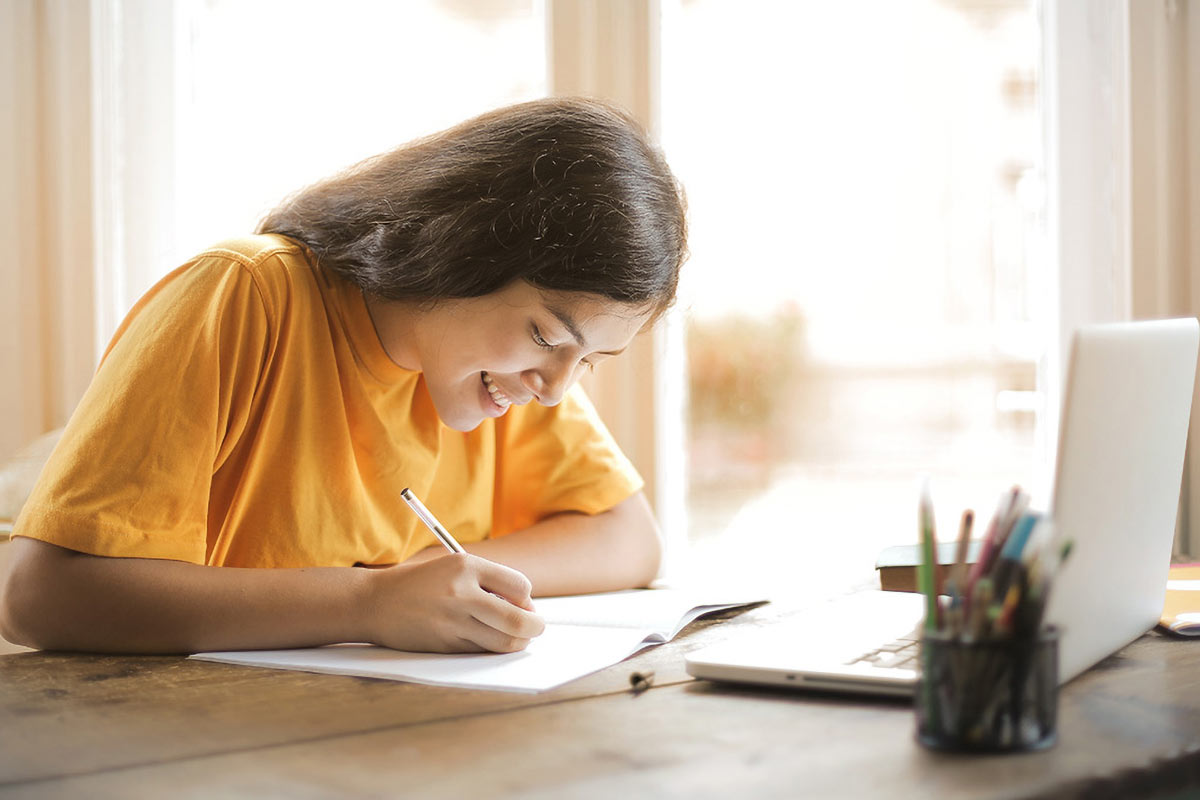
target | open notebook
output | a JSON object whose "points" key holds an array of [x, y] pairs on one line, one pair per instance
{"points": [[584, 633]]}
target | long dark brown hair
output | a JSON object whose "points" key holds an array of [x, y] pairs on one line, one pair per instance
{"points": [[565, 193]]}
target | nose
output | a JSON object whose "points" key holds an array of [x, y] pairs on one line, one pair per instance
{"points": [[549, 384]]}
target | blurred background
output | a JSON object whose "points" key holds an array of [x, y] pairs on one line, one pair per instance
{"points": [[862, 303], [876, 286]]}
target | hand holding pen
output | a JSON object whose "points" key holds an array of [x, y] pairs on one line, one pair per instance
{"points": [[450, 605]]}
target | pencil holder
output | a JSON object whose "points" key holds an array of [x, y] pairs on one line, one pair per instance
{"points": [[990, 695]]}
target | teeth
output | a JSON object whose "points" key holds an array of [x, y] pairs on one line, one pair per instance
{"points": [[497, 395]]}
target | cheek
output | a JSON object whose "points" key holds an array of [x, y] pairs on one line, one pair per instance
{"points": [[501, 355], [466, 356], [504, 364]]}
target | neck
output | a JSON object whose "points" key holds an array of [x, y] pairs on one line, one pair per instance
{"points": [[393, 322]]}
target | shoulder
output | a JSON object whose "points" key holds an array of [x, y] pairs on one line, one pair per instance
{"points": [[258, 263], [255, 250], [242, 278], [281, 270]]}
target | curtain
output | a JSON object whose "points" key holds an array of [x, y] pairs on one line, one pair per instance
{"points": [[46, 284], [1164, 119]]}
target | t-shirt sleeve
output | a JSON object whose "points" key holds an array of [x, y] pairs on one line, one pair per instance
{"points": [[132, 473], [550, 460]]}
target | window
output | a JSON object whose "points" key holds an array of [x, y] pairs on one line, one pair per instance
{"points": [[835, 153], [866, 294], [272, 96]]}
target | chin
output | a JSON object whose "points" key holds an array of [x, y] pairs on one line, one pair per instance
{"points": [[463, 425], [460, 420]]}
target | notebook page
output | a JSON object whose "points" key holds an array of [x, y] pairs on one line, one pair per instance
{"points": [[664, 612], [584, 633], [561, 654]]}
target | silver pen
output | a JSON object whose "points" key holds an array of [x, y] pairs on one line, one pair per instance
{"points": [[431, 522]]}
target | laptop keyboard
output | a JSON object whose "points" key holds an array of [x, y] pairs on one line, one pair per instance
{"points": [[898, 654]]}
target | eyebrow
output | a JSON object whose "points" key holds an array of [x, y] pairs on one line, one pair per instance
{"points": [[568, 322]]}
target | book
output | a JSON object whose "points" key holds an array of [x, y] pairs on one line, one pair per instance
{"points": [[584, 633], [897, 565], [1181, 608]]}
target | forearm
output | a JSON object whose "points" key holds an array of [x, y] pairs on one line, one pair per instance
{"points": [[59, 599], [578, 553]]}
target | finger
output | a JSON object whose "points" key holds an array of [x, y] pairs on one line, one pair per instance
{"points": [[488, 638], [498, 613], [505, 582]]}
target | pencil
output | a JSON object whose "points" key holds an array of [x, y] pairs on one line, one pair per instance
{"points": [[988, 548], [431, 522], [1009, 561], [1005, 531], [981, 600], [959, 577], [926, 573]]}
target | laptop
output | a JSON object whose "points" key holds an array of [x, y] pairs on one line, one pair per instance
{"points": [[1117, 480]]}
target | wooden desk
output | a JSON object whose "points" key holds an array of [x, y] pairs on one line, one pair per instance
{"points": [[107, 726]]}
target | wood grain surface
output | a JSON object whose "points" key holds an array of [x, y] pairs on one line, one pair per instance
{"points": [[119, 726]]}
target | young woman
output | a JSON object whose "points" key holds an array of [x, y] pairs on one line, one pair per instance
{"points": [[418, 321]]}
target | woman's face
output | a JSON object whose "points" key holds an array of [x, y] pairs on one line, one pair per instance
{"points": [[482, 355]]}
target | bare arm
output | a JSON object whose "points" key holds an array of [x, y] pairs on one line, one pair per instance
{"points": [[578, 553], [56, 598]]}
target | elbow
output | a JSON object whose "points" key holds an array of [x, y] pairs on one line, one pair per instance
{"points": [[640, 542], [644, 543], [651, 561], [10, 628], [22, 608], [14, 614]]}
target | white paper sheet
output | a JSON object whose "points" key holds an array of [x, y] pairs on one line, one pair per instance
{"points": [[584, 633]]}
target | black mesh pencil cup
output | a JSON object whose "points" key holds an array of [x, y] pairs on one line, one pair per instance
{"points": [[988, 695]]}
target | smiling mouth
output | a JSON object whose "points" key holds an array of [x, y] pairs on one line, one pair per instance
{"points": [[498, 397]]}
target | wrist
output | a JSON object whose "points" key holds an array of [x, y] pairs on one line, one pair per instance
{"points": [[427, 554], [362, 605]]}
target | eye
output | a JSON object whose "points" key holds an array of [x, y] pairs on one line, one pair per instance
{"points": [[539, 341]]}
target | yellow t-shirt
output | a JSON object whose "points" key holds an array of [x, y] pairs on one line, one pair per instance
{"points": [[246, 414]]}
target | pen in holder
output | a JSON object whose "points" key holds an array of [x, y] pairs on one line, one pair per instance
{"points": [[989, 666], [991, 695]]}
